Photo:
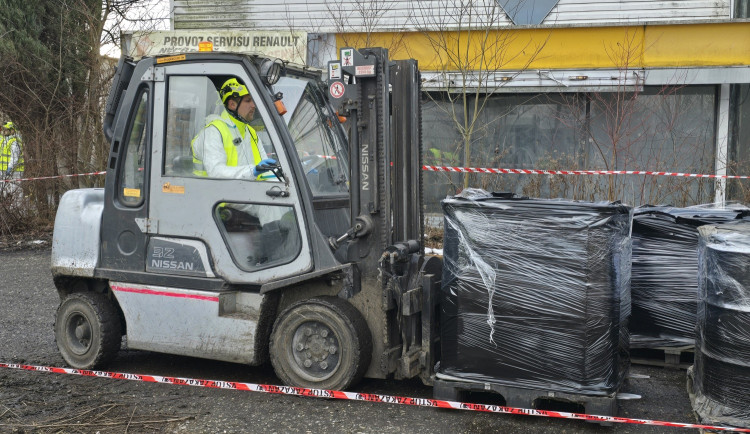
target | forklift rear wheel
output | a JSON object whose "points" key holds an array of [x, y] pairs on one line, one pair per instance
{"points": [[87, 330], [321, 343]]}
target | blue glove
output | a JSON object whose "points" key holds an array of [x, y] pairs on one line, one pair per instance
{"points": [[262, 167], [308, 160]]}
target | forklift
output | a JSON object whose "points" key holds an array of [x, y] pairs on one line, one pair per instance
{"points": [[318, 269]]}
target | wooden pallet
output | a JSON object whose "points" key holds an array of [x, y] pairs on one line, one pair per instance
{"points": [[602, 405], [666, 357]]}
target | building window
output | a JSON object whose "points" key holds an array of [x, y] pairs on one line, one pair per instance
{"points": [[657, 129], [741, 8], [739, 142]]}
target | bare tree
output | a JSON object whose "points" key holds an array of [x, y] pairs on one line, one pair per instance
{"points": [[351, 23], [359, 25], [474, 44], [660, 128]]}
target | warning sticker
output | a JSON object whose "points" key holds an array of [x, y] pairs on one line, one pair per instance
{"points": [[131, 192], [347, 57], [170, 59], [334, 71], [364, 70], [337, 89], [175, 189]]}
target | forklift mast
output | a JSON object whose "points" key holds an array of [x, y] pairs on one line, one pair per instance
{"points": [[381, 100]]}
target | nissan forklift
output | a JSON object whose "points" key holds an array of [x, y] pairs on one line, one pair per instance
{"points": [[316, 266]]}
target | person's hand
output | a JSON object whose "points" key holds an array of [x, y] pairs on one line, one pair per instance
{"points": [[263, 166], [310, 161]]}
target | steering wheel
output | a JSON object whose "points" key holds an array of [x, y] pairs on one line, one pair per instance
{"points": [[267, 166]]}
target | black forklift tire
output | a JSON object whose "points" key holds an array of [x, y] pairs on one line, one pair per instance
{"points": [[88, 331], [321, 343]]}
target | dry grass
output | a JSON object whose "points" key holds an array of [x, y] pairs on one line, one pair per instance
{"points": [[105, 418], [433, 237]]}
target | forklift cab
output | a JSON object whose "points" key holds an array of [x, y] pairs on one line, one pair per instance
{"points": [[245, 230]]}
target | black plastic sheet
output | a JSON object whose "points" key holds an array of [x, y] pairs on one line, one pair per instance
{"points": [[721, 372], [536, 293], [664, 282]]}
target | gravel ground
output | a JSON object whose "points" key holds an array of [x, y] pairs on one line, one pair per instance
{"points": [[44, 402]]}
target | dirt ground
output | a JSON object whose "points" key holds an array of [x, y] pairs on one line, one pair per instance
{"points": [[51, 403]]}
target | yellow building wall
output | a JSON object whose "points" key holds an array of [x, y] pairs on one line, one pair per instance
{"points": [[646, 46]]}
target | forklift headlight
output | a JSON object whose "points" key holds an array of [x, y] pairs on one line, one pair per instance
{"points": [[270, 70]]}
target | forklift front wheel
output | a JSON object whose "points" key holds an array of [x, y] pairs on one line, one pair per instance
{"points": [[321, 343], [87, 330]]}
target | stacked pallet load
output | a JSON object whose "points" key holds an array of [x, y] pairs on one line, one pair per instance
{"points": [[664, 283], [535, 296], [720, 378]]}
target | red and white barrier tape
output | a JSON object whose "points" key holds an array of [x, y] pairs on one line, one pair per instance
{"points": [[353, 396], [486, 170], [53, 177], [574, 172]]}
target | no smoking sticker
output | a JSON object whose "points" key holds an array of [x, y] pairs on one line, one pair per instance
{"points": [[337, 89]]}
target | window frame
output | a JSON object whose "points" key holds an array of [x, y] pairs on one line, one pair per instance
{"points": [[145, 141], [262, 116]]}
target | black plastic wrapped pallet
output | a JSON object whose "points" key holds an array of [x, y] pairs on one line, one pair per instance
{"points": [[536, 293], [664, 282], [721, 387]]}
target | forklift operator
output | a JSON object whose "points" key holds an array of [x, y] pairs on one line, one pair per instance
{"points": [[228, 147]]}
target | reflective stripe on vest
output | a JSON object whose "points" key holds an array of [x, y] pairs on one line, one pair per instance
{"points": [[230, 149], [6, 152]]}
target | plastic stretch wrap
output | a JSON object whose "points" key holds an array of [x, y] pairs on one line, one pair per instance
{"points": [[536, 293], [721, 384], [664, 282]]}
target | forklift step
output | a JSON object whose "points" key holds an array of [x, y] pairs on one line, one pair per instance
{"points": [[518, 397]]}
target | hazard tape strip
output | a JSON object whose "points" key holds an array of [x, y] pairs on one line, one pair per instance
{"points": [[54, 177], [575, 172], [354, 396], [486, 170]]}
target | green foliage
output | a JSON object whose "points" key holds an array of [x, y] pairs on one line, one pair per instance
{"points": [[51, 89], [44, 51]]}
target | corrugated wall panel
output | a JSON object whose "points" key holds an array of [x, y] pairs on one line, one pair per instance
{"points": [[642, 11], [335, 16], [332, 16]]}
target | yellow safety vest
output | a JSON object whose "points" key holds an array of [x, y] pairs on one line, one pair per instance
{"points": [[6, 149], [229, 147]]}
